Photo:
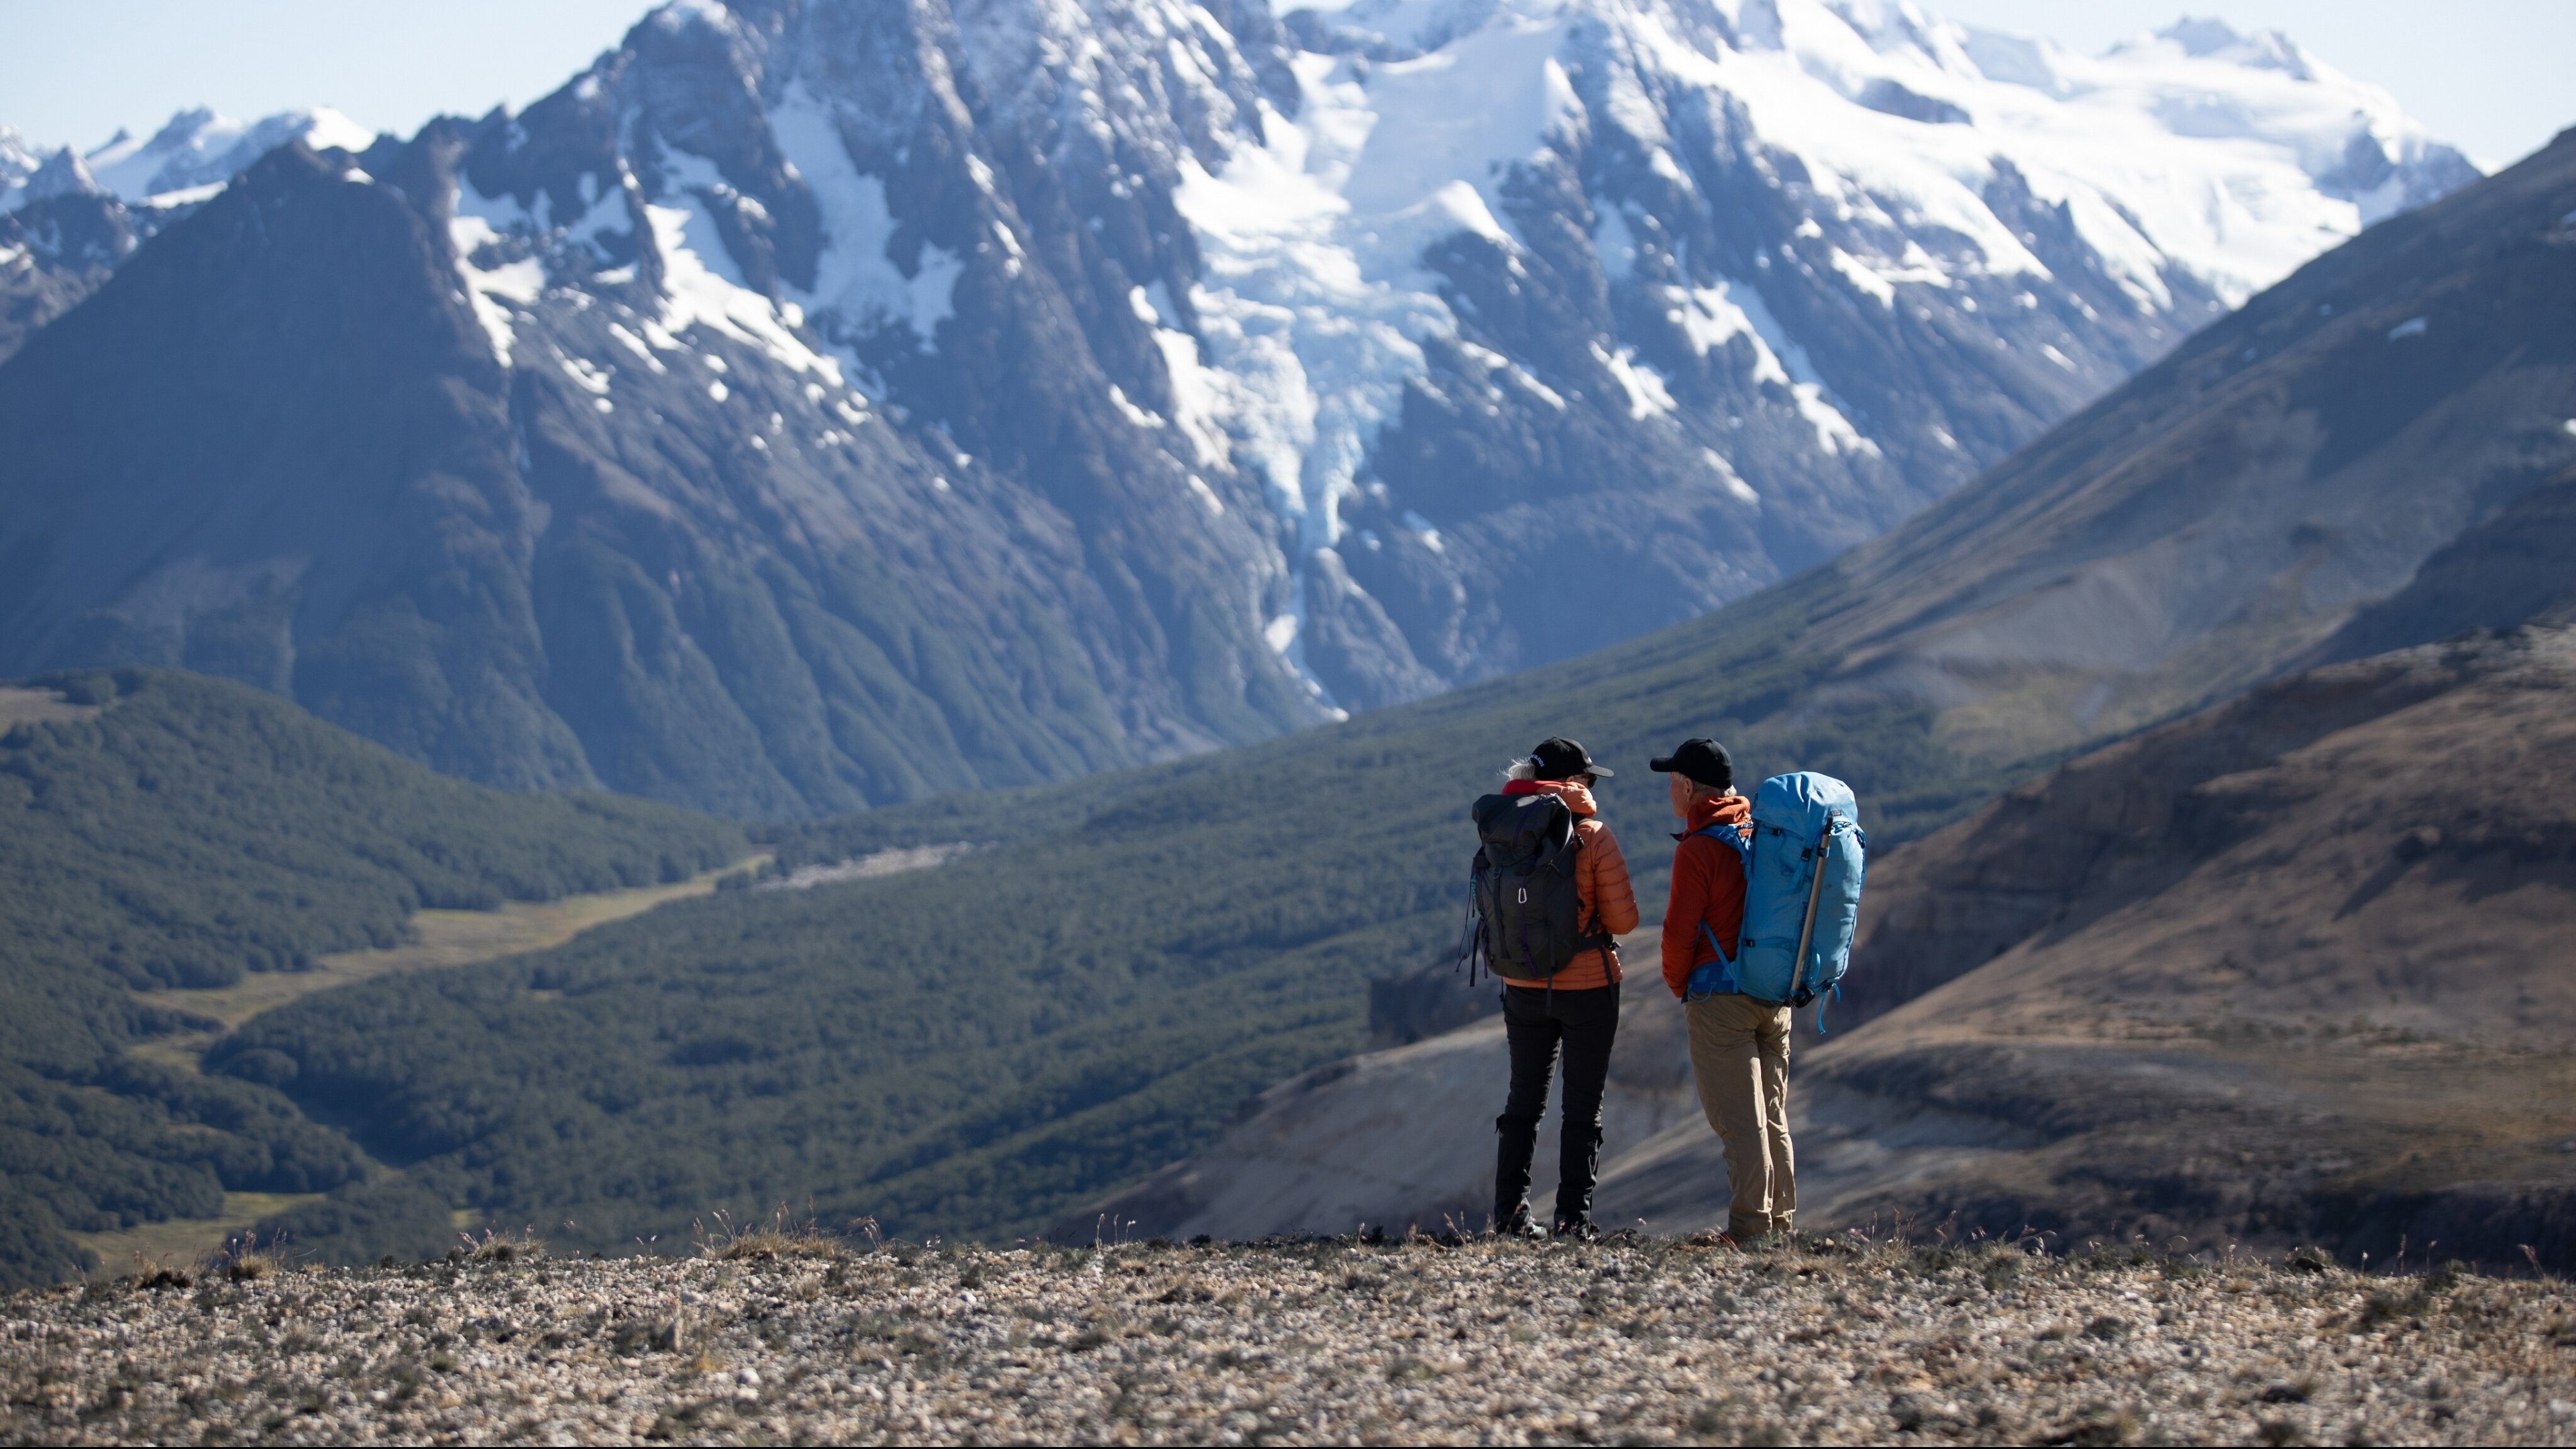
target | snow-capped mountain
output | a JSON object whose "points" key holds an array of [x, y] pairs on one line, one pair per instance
{"points": [[67, 218], [1212, 370], [187, 160], [18, 160]]}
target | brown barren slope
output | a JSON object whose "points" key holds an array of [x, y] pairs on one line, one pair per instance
{"points": [[2299, 966]]}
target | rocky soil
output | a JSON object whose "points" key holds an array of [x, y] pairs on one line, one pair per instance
{"points": [[1644, 1341]]}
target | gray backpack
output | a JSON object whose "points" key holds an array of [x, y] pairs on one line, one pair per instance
{"points": [[1524, 910]]}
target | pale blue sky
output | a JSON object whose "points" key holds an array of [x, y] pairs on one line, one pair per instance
{"points": [[2491, 76]]}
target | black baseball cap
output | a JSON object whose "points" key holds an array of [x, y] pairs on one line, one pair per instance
{"points": [[1559, 758], [1704, 760]]}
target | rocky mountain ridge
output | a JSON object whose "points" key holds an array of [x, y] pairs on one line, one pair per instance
{"points": [[876, 400]]}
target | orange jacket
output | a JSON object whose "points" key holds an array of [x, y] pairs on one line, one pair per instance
{"points": [[1708, 889], [1600, 882]]}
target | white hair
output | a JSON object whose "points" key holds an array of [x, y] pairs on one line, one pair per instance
{"points": [[1524, 768]]}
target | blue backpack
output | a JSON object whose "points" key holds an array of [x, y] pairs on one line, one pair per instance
{"points": [[1802, 870]]}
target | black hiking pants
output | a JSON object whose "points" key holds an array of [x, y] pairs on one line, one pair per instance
{"points": [[1537, 1022]]}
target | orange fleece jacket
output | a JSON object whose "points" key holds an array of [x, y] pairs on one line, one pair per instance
{"points": [[1600, 882], [1708, 889]]}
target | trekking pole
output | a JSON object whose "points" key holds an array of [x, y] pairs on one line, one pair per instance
{"points": [[1815, 889]]}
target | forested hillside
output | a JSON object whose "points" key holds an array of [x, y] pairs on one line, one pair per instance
{"points": [[971, 1050], [161, 831]]}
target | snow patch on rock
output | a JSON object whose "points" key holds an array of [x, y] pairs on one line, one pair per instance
{"points": [[491, 286], [701, 286], [1648, 397], [856, 281]]}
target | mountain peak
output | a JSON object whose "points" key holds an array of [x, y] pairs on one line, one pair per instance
{"points": [[18, 160], [198, 148], [62, 174], [183, 128], [2214, 39]]}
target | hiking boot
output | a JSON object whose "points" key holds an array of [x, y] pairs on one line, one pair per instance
{"points": [[1581, 1230], [1522, 1226]]}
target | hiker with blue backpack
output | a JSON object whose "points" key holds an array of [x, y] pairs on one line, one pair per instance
{"points": [[1548, 889], [1765, 894]]}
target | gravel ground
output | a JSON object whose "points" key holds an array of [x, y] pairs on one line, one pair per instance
{"points": [[1644, 1342]]}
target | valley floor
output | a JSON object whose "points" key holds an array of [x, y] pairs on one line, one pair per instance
{"points": [[1644, 1341], [440, 938]]}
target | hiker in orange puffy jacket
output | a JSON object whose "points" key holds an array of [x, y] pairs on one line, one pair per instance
{"points": [[1739, 1047], [1578, 1008]]}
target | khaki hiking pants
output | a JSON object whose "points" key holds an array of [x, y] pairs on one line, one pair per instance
{"points": [[1739, 1051]]}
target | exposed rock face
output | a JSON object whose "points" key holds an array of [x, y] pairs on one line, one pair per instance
{"points": [[1110, 380], [2508, 570], [2396, 819], [61, 243]]}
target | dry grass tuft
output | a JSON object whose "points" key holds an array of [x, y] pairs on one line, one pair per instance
{"points": [[243, 1260], [779, 1238], [497, 1246]]}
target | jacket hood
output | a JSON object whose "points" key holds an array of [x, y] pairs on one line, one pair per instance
{"points": [[1577, 798], [1731, 809]]}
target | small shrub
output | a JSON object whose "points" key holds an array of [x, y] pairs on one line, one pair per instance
{"points": [[646, 1335], [2386, 1305], [2099, 1424], [2289, 1391], [1710, 1420]]}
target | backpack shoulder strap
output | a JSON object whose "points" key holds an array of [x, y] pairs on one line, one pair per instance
{"points": [[1733, 836]]}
